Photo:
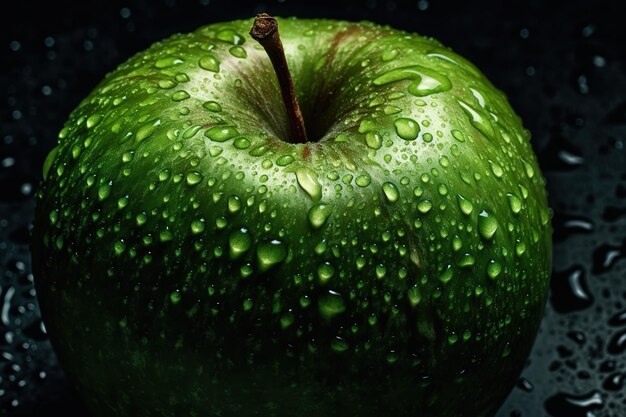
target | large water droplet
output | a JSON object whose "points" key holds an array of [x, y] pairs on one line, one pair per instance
{"points": [[479, 122], [221, 133], [569, 291], [406, 128], [318, 214], [307, 179], [487, 225], [424, 81], [331, 305], [209, 63], [270, 253], [239, 242], [567, 405], [391, 192], [465, 205]]}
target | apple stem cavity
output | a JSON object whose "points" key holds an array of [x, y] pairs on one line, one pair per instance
{"points": [[265, 31]]}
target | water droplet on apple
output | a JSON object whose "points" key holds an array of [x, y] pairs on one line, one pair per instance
{"points": [[446, 275], [239, 242], [465, 205], [167, 61], [241, 143], [119, 247], [230, 36], [466, 261], [424, 206], [373, 140], [234, 203], [307, 179], [93, 120], [104, 191], [175, 297], [493, 269], [193, 178], [122, 202], [496, 169], [528, 168], [238, 52], [209, 63], [515, 204], [180, 95], [339, 345], [146, 130], [285, 160], [213, 106], [141, 219], [318, 214], [198, 226], [325, 272], [479, 122], [415, 296], [270, 253], [391, 192], [425, 81], [458, 135], [363, 180], [221, 133], [406, 128], [487, 225], [331, 304], [167, 84], [166, 235]]}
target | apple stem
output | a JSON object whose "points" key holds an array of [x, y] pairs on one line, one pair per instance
{"points": [[265, 31]]}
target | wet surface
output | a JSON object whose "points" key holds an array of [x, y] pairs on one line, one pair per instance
{"points": [[563, 68]]}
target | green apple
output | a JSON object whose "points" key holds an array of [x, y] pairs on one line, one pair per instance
{"points": [[194, 256]]}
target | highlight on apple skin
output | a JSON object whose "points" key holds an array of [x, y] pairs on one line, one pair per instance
{"points": [[193, 259]]}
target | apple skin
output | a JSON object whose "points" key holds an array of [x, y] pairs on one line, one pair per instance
{"points": [[190, 261]]}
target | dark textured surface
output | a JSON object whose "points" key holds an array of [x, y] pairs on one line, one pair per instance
{"points": [[563, 67]]}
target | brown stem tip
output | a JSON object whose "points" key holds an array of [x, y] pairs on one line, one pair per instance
{"points": [[265, 31]]}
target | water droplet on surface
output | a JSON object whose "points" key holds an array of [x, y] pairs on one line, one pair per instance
{"points": [[391, 192], [325, 272], [104, 191], [238, 52], [221, 133], [318, 214], [568, 405], [493, 269], [213, 106], [270, 254], [198, 226], [307, 179], [234, 203], [515, 204], [617, 343], [373, 140], [424, 81], [479, 122], [180, 95], [167, 61], [465, 205], [424, 206], [406, 128], [496, 169], [193, 178], [239, 242], [331, 304], [487, 225], [285, 160], [209, 63], [446, 275]]}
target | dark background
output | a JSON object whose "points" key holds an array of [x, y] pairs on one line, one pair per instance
{"points": [[562, 65]]}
